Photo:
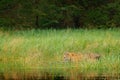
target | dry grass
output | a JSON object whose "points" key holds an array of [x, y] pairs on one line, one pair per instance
{"points": [[43, 50]]}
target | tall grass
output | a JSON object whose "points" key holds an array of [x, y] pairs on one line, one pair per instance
{"points": [[43, 50]]}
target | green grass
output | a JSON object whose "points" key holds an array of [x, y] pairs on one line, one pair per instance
{"points": [[43, 50]]}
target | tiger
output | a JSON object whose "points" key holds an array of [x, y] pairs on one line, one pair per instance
{"points": [[75, 57]]}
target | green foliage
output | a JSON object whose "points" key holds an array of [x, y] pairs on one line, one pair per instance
{"points": [[7, 4], [44, 50], [96, 17], [60, 13], [113, 11]]}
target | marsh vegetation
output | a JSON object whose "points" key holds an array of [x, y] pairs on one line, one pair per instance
{"points": [[34, 53]]}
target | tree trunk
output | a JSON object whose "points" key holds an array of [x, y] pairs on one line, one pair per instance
{"points": [[36, 16], [37, 21]]}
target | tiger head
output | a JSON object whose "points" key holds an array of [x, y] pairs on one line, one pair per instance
{"points": [[67, 57]]}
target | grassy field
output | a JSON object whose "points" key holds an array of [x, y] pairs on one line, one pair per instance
{"points": [[41, 51]]}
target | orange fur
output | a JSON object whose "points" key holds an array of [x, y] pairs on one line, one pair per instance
{"points": [[73, 57]]}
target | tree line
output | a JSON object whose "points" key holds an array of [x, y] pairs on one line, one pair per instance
{"points": [[59, 13]]}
